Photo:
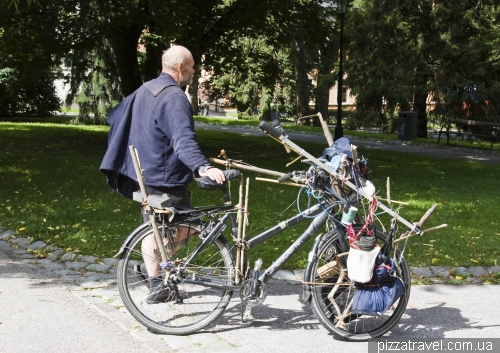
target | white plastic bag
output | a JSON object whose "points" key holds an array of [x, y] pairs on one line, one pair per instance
{"points": [[360, 264]]}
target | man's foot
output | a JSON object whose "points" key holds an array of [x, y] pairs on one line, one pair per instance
{"points": [[159, 292], [142, 274]]}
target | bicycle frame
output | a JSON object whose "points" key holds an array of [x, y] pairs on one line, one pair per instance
{"points": [[319, 215]]}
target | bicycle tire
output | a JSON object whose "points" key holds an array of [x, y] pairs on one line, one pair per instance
{"points": [[200, 305], [329, 313]]}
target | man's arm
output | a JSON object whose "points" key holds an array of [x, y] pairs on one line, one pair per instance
{"points": [[181, 126]]}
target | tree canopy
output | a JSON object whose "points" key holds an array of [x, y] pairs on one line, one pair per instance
{"points": [[408, 53], [439, 59]]}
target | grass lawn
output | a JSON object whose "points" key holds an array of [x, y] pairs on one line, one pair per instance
{"points": [[52, 190]]}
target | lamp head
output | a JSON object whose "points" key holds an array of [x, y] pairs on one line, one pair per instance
{"points": [[342, 6]]}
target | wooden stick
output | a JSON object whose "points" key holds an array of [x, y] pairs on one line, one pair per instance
{"points": [[251, 168], [423, 231], [392, 201], [307, 116], [355, 159], [389, 192], [426, 215], [326, 130], [276, 182], [292, 162], [324, 125], [444, 225]]}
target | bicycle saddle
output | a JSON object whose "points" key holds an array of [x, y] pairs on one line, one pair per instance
{"points": [[209, 184]]}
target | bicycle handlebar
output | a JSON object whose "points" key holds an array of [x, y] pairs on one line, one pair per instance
{"points": [[285, 177], [270, 130]]}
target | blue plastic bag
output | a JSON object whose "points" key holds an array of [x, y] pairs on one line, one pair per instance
{"points": [[376, 298], [338, 148]]}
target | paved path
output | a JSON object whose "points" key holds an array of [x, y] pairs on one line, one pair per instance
{"points": [[61, 304], [365, 145]]}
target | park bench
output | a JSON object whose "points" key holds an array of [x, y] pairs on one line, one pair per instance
{"points": [[467, 134]]}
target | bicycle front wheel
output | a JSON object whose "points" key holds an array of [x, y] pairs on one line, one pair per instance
{"points": [[332, 294], [194, 306]]}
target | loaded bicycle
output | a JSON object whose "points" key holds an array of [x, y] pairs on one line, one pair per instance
{"points": [[356, 279]]}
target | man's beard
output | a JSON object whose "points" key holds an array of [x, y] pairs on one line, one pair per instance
{"points": [[184, 80]]}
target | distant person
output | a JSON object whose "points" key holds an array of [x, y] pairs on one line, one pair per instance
{"points": [[206, 108], [158, 120]]}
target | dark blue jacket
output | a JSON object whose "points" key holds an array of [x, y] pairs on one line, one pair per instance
{"points": [[158, 120]]}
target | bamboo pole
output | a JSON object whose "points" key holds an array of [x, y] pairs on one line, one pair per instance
{"points": [[240, 224], [245, 223], [140, 180]]}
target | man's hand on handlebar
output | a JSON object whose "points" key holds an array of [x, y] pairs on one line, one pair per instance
{"points": [[215, 174]]}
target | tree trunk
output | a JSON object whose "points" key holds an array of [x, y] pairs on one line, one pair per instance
{"points": [[265, 103], [124, 42], [301, 79], [420, 106], [192, 93], [326, 79]]}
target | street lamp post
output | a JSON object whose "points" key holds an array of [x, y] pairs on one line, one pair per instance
{"points": [[342, 6]]}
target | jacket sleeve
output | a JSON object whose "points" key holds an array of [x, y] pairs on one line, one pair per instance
{"points": [[176, 122]]}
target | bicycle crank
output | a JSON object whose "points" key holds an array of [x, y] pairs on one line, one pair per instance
{"points": [[252, 293]]}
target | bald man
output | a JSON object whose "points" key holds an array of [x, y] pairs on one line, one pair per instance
{"points": [[158, 120]]}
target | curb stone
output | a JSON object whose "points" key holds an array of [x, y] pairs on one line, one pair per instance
{"points": [[98, 267], [36, 245], [440, 271], [69, 256], [90, 272], [6, 234], [75, 265], [88, 258], [22, 242], [55, 255], [461, 271]]}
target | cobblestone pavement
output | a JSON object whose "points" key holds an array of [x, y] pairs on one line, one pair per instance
{"points": [[280, 320], [90, 272]]}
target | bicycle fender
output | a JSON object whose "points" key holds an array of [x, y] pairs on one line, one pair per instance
{"points": [[308, 276], [306, 288], [131, 235]]}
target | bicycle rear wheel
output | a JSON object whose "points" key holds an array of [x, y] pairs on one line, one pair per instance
{"points": [[195, 306], [329, 275]]}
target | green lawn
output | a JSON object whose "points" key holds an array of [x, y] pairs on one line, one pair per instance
{"points": [[51, 190]]}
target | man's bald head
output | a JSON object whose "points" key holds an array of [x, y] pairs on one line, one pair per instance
{"points": [[178, 62], [174, 56]]}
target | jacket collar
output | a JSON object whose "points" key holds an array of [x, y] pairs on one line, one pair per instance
{"points": [[155, 86]]}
